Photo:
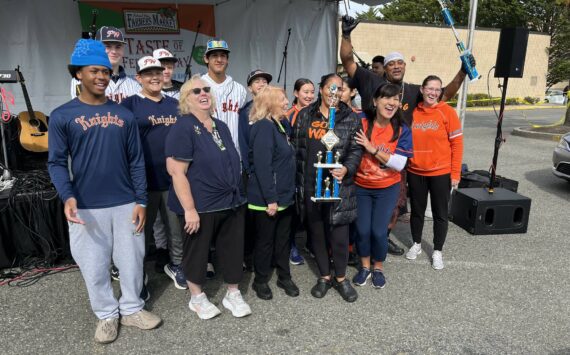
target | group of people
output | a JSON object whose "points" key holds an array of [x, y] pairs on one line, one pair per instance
{"points": [[204, 175]]}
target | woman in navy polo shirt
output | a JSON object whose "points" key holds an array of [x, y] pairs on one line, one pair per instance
{"points": [[271, 190], [205, 194]]}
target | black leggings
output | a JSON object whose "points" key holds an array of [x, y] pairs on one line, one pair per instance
{"points": [[272, 244], [225, 228], [324, 236], [439, 188]]}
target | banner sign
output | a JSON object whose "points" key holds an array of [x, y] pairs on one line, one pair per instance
{"points": [[150, 21], [151, 26]]}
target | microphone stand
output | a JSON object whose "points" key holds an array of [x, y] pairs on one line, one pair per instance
{"points": [[6, 172], [188, 71], [284, 61], [93, 27]]}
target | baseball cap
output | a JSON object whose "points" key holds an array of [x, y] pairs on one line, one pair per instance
{"points": [[89, 52], [258, 73], [148, 62], [163, 54], [216, 45], [393, 56], [110, 34]]}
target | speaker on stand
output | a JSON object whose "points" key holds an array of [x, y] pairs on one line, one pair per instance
{"points": [[496, 210]]}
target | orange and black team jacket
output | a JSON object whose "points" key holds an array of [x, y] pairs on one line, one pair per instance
{"points": [[438, 141]]}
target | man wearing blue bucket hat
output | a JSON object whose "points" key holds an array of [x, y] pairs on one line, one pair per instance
{"points": [[105, 202], [121, 86]]}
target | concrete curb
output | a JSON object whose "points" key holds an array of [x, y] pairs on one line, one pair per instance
{"points": [[513, 108], [527, 132]]}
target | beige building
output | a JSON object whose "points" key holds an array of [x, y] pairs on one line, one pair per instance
{"points": [[431, 50]]}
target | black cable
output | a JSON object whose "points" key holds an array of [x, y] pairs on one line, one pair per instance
{"points": [[32, 189], [489, 91]]}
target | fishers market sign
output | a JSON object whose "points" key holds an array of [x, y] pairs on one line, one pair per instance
{"points": [[158, 21]]}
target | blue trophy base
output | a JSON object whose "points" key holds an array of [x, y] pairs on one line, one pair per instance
{"points": [[328, 165], [325, 199]]}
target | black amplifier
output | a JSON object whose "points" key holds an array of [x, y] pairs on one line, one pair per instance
{"points": [[480, 212]]}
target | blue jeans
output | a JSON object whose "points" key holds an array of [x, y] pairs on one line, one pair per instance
{"points": [[375, 207]]}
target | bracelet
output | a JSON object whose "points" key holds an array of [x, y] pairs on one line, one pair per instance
{"points": [[376, 152]]}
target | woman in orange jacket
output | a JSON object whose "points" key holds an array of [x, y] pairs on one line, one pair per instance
{"points": [[435, 167]]}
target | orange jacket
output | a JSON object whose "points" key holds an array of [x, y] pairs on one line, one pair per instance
{"points": [[438, 141]]}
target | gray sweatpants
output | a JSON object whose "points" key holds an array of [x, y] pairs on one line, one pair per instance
{"points": [[156, 206], [109, 234]]}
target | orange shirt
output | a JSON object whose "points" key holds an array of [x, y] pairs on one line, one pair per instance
{"points": [[438, 141], [371, 174]]}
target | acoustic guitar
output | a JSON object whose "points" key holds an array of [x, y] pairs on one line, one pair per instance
{"points": [[33, 124]]}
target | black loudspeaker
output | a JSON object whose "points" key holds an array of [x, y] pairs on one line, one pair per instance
{"points": [[479, 212], [511, 53]]}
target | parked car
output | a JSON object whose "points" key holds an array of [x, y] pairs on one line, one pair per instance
{"points": [[561, 158], [554, 96]]}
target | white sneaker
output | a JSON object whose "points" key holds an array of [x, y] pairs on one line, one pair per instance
{"points": [[414, 251], [203, 307], [235, 303], [437, 260]]}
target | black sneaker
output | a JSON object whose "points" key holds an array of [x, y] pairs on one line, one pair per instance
{"points": [[262, 291], [321, 288], [345, 289], [394, 249], [115, 273], [145, 295], [289, 287], [162, 259]]}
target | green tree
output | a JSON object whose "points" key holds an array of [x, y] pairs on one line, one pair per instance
{"points": [[369, 15]]}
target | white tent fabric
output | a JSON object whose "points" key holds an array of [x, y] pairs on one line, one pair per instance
{"points": [[40, 35]]}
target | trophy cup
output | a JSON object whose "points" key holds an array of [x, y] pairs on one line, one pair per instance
{"points": [[329, 140]]}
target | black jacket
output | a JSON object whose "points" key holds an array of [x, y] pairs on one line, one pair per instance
{"points": [[272, 165], [346, 125]]}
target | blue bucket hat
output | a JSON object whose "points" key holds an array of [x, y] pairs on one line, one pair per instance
{"points": [[90, 52]]}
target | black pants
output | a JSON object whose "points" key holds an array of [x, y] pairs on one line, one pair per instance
{"points": [[226, 229], [272, 244], [324, 236], [439, 188]]}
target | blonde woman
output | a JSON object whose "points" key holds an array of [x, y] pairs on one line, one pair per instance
{"points": [[271, 191], [206, 195]]}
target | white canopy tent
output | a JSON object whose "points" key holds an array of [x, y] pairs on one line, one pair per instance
{"points": [[39, 36]]}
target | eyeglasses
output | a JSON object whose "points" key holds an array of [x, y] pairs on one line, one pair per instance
{"points": [[432, 90], [197, 91]]}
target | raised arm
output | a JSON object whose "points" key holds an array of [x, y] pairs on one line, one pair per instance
{"points": [[346, 56], [452, 88]]}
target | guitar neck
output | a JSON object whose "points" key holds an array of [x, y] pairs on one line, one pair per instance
{"points": [[26, 96]]}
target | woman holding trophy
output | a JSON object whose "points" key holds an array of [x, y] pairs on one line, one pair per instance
{"points": [[327, 159], [387, 142]]}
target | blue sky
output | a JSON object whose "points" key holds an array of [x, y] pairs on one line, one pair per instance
{"points": [[354, 8]]}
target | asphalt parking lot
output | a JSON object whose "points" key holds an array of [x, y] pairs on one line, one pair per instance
{"points": [[498, 294]]}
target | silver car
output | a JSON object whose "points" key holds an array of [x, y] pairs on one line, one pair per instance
{"points": [[561, 158], [555, 97]]}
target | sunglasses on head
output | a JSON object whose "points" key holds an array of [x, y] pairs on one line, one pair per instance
{"points": [[197, 91]]}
